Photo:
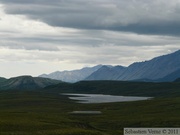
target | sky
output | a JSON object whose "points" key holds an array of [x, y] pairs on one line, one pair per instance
{"points": [[43, 36]]}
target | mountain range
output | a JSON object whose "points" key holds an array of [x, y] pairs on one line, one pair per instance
{"points": [[72, 76], [163, 68], [26, 83]]}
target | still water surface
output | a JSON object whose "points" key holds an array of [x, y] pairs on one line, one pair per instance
{"points": [[100, 98]]}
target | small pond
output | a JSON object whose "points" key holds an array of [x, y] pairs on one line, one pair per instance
{"points": [[100, 98], [85, 112]]}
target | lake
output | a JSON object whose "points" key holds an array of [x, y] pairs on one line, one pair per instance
{"points": [[100, 98], [85, 112]]}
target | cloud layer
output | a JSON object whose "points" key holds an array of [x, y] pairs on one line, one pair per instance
{"points": [[69, 34], [139, 16]]}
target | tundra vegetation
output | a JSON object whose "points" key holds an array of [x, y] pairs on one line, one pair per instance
{"points": [[46, 112]]}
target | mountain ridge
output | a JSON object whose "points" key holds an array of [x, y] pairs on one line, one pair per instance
{"points": [[154, 69], [72, 76]]}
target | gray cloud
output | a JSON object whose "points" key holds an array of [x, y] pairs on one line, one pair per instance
{"points": [[82, 38], [159, 17]]}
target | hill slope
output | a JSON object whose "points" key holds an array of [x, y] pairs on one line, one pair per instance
{"points": [[177, 80], [2, 79], [171, 77], [27, 83], [106, 73]]}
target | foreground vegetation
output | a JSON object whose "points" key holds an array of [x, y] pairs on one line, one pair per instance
{"points": [[169, 89], [45, 112]]}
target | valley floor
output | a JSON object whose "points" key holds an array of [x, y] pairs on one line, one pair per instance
{"points": [[45, 113]]}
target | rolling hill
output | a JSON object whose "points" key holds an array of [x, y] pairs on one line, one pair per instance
{"points": [[26, 83]]}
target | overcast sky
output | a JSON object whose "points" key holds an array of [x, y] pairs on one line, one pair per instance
{"points": [[42, 36]]}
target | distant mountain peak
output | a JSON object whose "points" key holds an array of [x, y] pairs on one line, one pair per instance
{"points": [[73, 75]]}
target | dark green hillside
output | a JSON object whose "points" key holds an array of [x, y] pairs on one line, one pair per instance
{"points": [[26, 83], [2, 79], [119, 88]]}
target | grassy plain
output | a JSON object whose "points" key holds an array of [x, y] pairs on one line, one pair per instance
{"points": [[45, 112]]}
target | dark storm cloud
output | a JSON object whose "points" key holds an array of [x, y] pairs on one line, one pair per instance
{"points": [[171, 28], [159, 17]]}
